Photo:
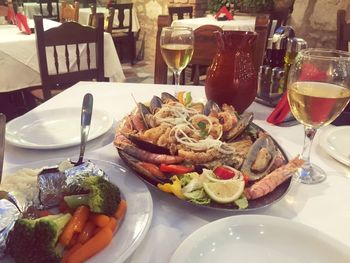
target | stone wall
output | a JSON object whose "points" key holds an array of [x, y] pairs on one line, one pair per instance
{"points": [[315, 20], [148, 11]]}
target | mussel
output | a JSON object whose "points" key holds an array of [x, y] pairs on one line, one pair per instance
{"points": [[148, 146], [155, 104], [210, 106], [243, 122], [167, 97], [260, 158], [145, 114]]}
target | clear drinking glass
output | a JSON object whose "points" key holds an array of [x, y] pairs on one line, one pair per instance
{"points": [[318, 91], [176, 45]]}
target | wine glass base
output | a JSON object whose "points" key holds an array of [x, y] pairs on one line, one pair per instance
{"points": [[311, 175]]}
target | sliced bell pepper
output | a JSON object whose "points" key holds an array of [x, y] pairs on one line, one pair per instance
{"points": [[175, 168]]}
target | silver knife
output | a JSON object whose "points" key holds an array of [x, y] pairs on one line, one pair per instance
{"points": [[2, 141]]}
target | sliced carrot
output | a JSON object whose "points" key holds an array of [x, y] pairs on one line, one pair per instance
{"points": [[92, 246], [70, 252], [76, 224], [87, 233], [113, 224], [100, 220], [73, 241], [121, 210]]}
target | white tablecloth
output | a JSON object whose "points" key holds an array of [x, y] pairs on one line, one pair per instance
{"points": [[325, 206], [19, 61], [240, 23], [84, 14]]}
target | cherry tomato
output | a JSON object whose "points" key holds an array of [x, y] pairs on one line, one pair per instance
{"points": [[224, 173]]}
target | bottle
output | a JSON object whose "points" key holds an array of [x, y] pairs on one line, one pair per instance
{"points": [[294, 45]]}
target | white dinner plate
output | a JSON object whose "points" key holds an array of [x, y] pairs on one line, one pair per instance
{"points": [[336, 142], [55, 128], [258, 238], [138, 215]]}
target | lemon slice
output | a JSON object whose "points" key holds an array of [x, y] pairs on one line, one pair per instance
{"points": [[224, 192]]}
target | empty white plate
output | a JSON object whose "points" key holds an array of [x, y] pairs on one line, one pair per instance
{"points": [[258, 238], [336, 142], [55, 128]]}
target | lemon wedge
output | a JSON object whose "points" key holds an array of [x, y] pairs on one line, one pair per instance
{"points": [[224, 192]]}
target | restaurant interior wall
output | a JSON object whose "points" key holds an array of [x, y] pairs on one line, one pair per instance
{"points": [[315, 21]]}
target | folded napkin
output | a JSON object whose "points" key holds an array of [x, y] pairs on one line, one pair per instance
{"points": [[22, 23], [281, 113], [223, 12]]}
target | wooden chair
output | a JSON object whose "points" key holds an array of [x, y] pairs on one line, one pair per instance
{"points": [[47, 11], [69, 12], [262, 27], [205, 48], [70, 37], [343, 31], [122, 34], [110, 19], [179, 12], [160, 67], [92, 14]]}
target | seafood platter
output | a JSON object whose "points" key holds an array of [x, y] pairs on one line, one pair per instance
{"points": [[203, 153]]}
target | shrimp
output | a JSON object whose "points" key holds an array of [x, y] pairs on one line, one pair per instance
{"points": [[273, 179], [150, 157]]}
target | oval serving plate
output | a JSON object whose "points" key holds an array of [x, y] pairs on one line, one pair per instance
{"points": [[261, 202], [136, 223]]}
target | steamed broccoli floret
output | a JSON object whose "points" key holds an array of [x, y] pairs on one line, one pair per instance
{"points": [[35, 240], [103, 196]]}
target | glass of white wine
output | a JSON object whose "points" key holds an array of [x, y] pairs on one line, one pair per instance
{"points": [[318, 91], [176, 45]]}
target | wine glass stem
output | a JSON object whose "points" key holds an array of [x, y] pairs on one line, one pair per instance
{"points": [[177, 75], [308, 139]]}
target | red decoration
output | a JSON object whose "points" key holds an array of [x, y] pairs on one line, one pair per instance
{"points": [[223, 10], [11, 15], [22, 23], [280, 112]]}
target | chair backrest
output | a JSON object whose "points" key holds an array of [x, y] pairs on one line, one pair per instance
{"points": [[205, 45], [47, 10], [343, 31], [69, 12], [93, 8], [121, 8], [160, 67], [180, 12], [66, 48], [262, 25], [110, 19]]}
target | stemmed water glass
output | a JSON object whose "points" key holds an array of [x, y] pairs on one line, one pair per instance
{"points": [[176, 45], [318, 91]]}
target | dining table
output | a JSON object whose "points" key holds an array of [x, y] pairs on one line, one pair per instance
{"points": [[19, 59], [324, 206], [239, 23]]}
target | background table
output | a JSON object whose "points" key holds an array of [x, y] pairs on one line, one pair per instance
{"points": [[19, 61], [84, 14], [240, 23], [325, 206]]}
